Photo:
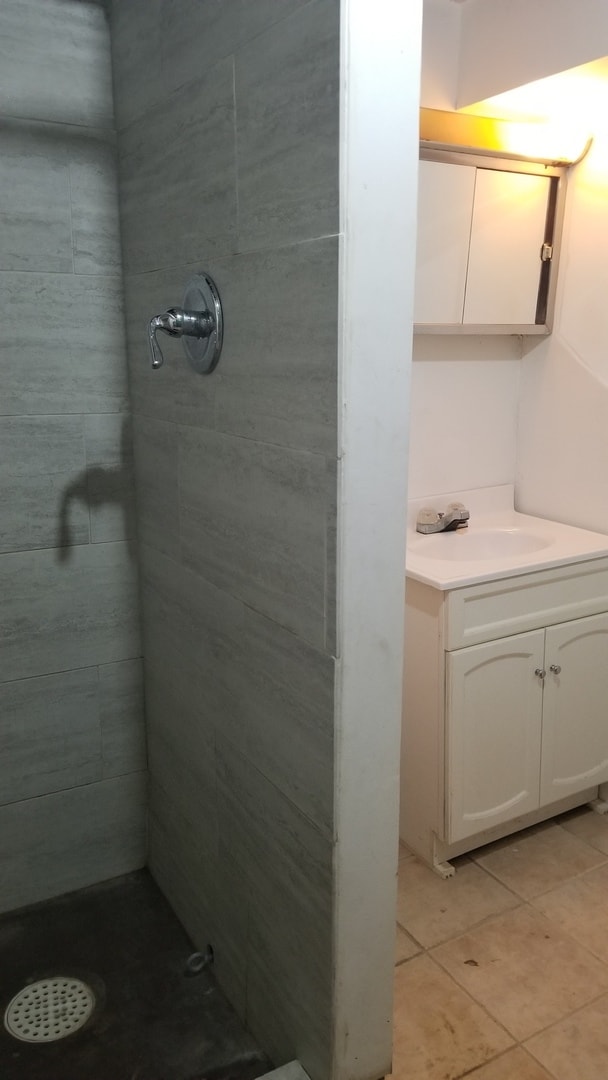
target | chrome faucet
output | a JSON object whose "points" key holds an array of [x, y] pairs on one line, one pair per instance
{"points": [[176, 322], [455, 516], [200, 324]]}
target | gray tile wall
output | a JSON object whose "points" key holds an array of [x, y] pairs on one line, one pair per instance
{"points": [[228, 152], [72, 749]]}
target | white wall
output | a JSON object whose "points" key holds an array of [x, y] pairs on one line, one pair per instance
{"points": [[380, 81], [440, 54], [562, 467], [509, 44], [463, 426]]}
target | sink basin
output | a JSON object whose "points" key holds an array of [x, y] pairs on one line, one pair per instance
{"points": [[499, 542], [484, 543]]}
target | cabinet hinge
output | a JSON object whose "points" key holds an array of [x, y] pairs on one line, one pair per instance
{"points": [[546, 252]]}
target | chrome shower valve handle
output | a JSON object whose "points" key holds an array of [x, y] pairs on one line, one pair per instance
{"points": [[202, 330], [159, 322], [176, 322]]}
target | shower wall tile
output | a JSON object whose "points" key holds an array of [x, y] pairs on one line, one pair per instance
{"points": [[277, 955], [236, 477], [110, 479], [94, 205], [35, 221], [156, 449], [173, 392], [207, 895], [185, 621], [67, 567], [111, 498], [177, 172], [51, 74], [171, 751], [67, 608], [195, 33], [108, 440], [288, 395], [274, 845], [331, 561], [136, 33], [279, 712], [42, 462], [230, 928], [287, 97], [179, 864], [71, 839], [60, 198], [50, 735], [252, 521], [214, 663], [71, 357], [121, 714], [286, 867]]}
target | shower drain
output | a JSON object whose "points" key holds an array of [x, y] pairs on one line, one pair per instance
{"points": [[49, 1009]]}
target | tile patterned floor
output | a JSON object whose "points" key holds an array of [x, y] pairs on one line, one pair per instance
{"points": [[502, 971]]}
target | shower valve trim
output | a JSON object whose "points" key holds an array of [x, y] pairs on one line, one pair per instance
{"points": [[199, 323]]}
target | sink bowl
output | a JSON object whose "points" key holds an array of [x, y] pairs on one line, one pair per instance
{"points": [[470, 543], [498, 543]]}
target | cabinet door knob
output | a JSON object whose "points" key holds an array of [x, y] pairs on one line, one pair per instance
{"points": [[555, 668], [540, 672]]}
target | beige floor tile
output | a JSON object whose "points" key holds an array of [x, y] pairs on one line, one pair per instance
{"points": [[514, 1065], [588, 826], [534, 861], [405, 946], [524, 970], [433, 909], [439, 1033], [576, 1048], [580, 908]]}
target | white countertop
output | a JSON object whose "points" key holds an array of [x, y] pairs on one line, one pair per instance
{"points": [[497, 543]]}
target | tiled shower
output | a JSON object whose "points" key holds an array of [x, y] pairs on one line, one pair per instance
{"points": [[218, 535], [72, 754]]}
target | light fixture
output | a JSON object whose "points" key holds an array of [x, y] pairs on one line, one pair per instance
{"points": [[548, 142]]}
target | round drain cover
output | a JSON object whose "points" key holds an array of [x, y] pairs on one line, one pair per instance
{"points": [[49, 1009]]}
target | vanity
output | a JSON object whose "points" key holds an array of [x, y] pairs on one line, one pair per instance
{"points": [[505, 715]]}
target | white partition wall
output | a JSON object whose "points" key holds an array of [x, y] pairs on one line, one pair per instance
{"points": [[379, 163]]}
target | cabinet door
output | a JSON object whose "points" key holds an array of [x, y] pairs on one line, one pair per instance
{"points": [[493, 733], [445, 203], [575, 712], [507, 234]]}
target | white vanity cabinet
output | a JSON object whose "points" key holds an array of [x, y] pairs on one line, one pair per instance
{"points": [[527, 723], [485, 248], [502, 728], [493, 733], [575, 708]]}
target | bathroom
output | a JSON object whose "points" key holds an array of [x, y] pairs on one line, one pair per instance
{"points": [[296, 919], [509, 954]]}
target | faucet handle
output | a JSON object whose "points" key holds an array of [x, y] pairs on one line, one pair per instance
{"points": [[427, 516], [167, 322], [199, 322]]}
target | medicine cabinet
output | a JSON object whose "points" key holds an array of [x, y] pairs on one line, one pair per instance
{"points": [[488, 244]]}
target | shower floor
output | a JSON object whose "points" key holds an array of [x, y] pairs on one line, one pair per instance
{"points": [[153, 1022]]}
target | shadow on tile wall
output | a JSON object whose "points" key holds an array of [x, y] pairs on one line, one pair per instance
{"points": [[106, 492]]}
